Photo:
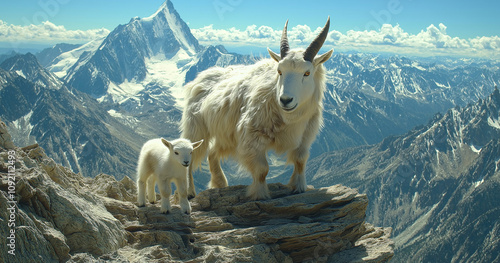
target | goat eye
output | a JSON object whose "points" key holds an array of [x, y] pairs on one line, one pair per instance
{"points": [[176, 153], [307, 73], [279, 72]]}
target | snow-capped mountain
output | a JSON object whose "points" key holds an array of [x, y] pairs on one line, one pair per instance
{"points": [[73, 128], [46, 56], [28, 67], [371, 97], [137, 73], [64, 61], [436, 186], [84, 134], [145, 50], [398, 78]]}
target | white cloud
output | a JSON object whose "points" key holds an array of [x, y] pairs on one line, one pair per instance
{"points": [[431, 41], [252, 35], [47, 32]]}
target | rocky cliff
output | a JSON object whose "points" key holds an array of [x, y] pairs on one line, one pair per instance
{"points": [[50, 214]]}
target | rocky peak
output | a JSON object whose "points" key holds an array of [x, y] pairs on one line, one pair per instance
{"points": [[28, 67], [164, 32], [46, 57], [62, 216], [123, 54], [166, 20]]}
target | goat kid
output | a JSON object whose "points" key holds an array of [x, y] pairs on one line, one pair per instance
{"points": [[164, 162]]}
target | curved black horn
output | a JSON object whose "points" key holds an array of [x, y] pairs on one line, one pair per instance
{"points": [[317, 43], [284, 47]]}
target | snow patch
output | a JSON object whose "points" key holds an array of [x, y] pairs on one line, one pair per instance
{"points": [[170, 73], [23, 123], [417, 66], [125, 89], [415, 197], [442, 85], [478, 183], [115, 114], [394, 65], [475, 149], [494, 123], [21, 129], [20, 73], [174, 24], [63, 63]]}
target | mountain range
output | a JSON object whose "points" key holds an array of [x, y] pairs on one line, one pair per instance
{"points": [[73, 127], [418, 136], [371, 97], [436, 186]]}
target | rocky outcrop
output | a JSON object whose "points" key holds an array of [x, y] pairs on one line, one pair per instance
{"points": [[50, 210], [62, 216]]}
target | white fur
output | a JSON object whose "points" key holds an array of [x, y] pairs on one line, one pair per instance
{"points": [[164, 162], [240, 111]]}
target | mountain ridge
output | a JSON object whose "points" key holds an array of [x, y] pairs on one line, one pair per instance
{"points": [[417, 181], [70, 125], [122, 55]]}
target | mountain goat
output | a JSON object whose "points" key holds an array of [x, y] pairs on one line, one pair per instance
{"points": [[162, 162], [244, 111]]}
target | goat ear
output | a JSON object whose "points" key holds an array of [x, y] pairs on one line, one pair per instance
{"points": [[197, 144], [322, 58], [273, 55], [166, 143]]}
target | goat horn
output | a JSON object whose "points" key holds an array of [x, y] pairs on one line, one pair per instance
{"points": [[284, 47], [317, 43]]}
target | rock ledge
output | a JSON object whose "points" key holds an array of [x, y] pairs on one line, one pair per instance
{"points": [[65, 217]]}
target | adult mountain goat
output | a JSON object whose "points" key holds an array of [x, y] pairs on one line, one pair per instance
{"points": [[244, 111]]}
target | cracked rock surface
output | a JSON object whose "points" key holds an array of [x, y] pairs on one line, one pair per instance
{"points": [[65, 217]]}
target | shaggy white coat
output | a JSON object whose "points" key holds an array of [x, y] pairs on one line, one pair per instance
{"points": [[238, 110], [164, 162]]}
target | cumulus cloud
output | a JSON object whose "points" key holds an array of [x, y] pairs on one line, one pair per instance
{"points": [[47, 32], [430, 41], [252, 35]]}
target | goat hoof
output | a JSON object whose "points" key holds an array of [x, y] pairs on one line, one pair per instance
{"points": [[191, 196]]}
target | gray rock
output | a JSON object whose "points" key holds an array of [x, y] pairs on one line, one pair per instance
{"points": [[62, 216], [320, 225], [5, 138], [55, 214]]}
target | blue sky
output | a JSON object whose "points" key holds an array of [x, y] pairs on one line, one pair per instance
{"points": [[460, 19], [463, 18]]}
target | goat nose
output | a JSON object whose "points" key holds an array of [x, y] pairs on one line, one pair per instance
{"points": [[186, 162], [285, 100]]}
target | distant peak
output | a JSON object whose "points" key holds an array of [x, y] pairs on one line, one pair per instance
{"points": [[167, 17], [21, 60], [166, 6]]}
